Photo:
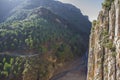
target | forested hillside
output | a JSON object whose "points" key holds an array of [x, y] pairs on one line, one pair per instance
{"points": [[40, 31], [52, 32]]}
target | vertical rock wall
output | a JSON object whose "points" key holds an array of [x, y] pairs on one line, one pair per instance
{"points": [[104, 51]]}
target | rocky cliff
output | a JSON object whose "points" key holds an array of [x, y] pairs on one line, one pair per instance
{"points": [[104, 51]]}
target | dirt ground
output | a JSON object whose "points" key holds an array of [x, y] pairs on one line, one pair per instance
{"points": [[77, 70]]}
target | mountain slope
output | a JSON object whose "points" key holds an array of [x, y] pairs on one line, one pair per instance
{"points": [[40, 32], [21, 9], [71, 13], [36, 40], [40, 27]]}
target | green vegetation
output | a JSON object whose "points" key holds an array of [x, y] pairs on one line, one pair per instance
{"points": [[107, 43], [64, 53], [107, 4], [110, 46], [9, 67], [114, 54], [94, 24], [37, 33], [40, 68], [105, 38], [29, 28]]}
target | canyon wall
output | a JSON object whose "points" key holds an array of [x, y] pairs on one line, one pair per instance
{"points": [[104, 49]]}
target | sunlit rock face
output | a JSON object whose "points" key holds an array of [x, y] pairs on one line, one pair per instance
{"points": [[104, 51]]}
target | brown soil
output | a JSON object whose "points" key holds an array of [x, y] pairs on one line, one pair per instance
{"points": [[77, 70]]}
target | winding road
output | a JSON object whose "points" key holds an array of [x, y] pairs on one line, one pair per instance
{"points": [[19, 55]]}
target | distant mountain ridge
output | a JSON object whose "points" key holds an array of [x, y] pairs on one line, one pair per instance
{"points": [[66, 11]]}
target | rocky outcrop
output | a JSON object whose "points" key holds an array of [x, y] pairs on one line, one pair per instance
{"points": [[104, 51]]}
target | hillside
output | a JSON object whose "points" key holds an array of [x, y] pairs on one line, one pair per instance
{"points": [[104, 51], [71, 13], [40, 30], [16, 33], [38, 37]]}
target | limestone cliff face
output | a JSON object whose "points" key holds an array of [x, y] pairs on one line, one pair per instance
{"points": [[104, 51]]}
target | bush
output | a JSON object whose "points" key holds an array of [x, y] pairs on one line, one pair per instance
{"points": [[114, 54], [4, 73], [94, 23], [7, 66], [107, 4]]}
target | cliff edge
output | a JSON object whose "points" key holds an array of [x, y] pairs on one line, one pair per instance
{"points": [[104, 49]]}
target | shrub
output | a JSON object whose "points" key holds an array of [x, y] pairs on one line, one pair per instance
{"points": [[94, 23], [4, 73], [114, 54], [107, 4], [7, 66]]}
